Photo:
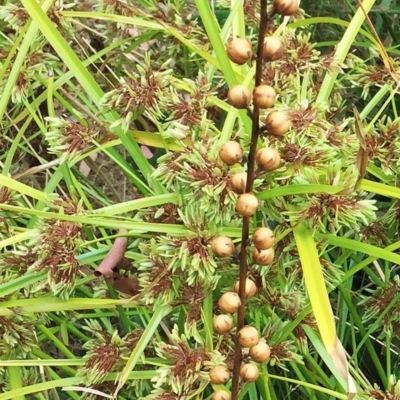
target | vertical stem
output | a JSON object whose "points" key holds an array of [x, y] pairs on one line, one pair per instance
{"points": [[249, 188]]}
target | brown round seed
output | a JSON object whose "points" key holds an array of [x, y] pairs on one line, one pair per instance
{"points": [[229, 302], [222, 246], [221, 395], [250, 288], [264, 96], [219, 375], [247, 204], [263, 238], [260, 352], [277, 123], [263, 257], [273, 48], [238, 182], [248, 336], [249, 372], [239, 50], [286, 7], [239, 96], [231, 152], [222, 324], [268, 159]]}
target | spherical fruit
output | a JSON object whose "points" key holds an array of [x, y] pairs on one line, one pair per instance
{"points": [[264, 96], [263, 238], [239, 96], [221, 395], [249, 372], [273, 48], [248, 336], [229, 302], [250, 288], [247, 204], [268, 159], [239, 50], [219, 375], [222, 324], [260, 352], [277, 123], [231, 152], [222, 246], [286, 7], [263, 257], [238, 182]]}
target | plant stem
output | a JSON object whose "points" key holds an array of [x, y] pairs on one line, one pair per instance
{"points": [[249, 188]]}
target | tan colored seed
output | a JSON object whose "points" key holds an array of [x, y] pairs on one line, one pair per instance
{"points": [[247, 204], [263, 238], [239, 50], [250, 288]]}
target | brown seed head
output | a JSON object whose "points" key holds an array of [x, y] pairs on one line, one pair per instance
{"points": [[264, 96], [222, 324], [250, 288], [268, 159], [273, 48], [286, 7], [263, 257], [249, 372], [239, 50], [239, 96], [238, 182], [231, 152], [248, 336], [263, 238], [219, 375], [247, 204], [260, 352], [277, 123], [222, 246], [229, 302]]}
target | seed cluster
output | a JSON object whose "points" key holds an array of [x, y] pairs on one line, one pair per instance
{"points": [[267, 159]]}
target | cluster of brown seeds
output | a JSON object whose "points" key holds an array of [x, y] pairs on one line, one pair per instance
{"points": [[277, 123]]}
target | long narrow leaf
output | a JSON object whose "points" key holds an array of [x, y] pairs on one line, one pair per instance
{"points": [[137, 352], [319, 300]]}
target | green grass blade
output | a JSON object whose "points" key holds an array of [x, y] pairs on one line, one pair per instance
{"points": [[158, 315], [89, 84], [342, 50]]}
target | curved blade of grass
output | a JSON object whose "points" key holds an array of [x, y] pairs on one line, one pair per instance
{"points": [[31, 34], [342, 50], [19, 237], [317, 388], [298, 189], [15, 380], [89, 84], [380, 188], [65, 382], [361, 247], [320, 303], [213, 33], [137, 204], [16, 284], [137, 226], [27, 306], [159, 314], [22, 188], [333, 21]]}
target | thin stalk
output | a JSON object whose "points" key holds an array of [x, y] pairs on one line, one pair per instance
{"points": [[249, 187]]}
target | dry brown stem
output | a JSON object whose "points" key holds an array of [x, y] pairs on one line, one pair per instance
{"points": [[249, 187]]}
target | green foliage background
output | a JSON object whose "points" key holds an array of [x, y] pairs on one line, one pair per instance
{"points": [[105, 78]]}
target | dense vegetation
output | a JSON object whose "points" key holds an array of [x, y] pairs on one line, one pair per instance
{"points": [[113, 188]]}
